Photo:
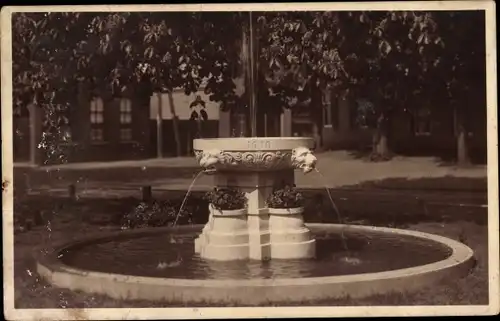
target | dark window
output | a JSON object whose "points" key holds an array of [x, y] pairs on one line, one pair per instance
{"points": [[125, 120], [96, 120]]}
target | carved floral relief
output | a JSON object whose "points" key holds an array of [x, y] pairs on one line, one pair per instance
{"points": [[300, 158]]}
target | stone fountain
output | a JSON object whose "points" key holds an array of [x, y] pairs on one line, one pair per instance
{"points": [[255, 165], [305, 261], [225, 266]]}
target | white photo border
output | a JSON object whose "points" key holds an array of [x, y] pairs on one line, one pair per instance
{"points": [[184, 313]]}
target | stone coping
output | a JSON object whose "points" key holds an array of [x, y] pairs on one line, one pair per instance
{"points": [[253, 143], [258, 291]]}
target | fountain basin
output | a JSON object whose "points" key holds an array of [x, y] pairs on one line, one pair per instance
{"points": [[376, 270]]}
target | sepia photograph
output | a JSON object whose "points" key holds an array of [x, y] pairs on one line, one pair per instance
{"points": [[249, 160]]}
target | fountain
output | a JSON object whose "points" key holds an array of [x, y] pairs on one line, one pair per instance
{"points": [[254, 256], [254, 165]]}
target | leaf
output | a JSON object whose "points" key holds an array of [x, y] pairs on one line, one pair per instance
{"points": [[420, 38], [385, 47], [426, 39], [149, 52]]}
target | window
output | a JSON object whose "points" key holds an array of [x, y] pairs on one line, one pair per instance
{"points": [[96, 134], [125, 134], [125, 112], [125, 120], [96, 120]]}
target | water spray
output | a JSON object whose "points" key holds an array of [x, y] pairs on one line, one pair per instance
{"points": [[187, 195], [339, 217]]}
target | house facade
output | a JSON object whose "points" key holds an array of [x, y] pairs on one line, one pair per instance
{"points": [[124, 128]]}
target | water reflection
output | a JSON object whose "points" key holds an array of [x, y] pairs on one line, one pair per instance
{"points": [[143, 256]]}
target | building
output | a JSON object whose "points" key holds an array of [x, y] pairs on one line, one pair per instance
{"points": [[119, 129]]}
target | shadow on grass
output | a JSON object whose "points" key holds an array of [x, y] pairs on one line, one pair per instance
{"points": [[443, 158], [446, 183], [370, 156]]}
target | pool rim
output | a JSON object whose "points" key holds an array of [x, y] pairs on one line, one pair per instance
{"points": [[59, 274]]}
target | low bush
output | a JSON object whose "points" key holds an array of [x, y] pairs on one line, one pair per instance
{"points": [[155, 214], [226, 199], [285, 197]]}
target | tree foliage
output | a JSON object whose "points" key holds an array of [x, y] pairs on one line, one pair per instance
{"points": [[462, 74], [382, 55], [396, 59]]}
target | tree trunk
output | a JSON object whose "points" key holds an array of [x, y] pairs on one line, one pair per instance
{"points": [[462, 149], [175, 124], [380, 147], [463, 158]]}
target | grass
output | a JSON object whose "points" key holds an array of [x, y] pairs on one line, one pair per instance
{"points": [[66, 220]]}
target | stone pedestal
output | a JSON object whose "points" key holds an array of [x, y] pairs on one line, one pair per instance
{"points": [[255, 166], [290, 238], [225, 237]]}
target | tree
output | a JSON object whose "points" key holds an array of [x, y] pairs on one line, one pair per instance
{"points": [[460, 80], [384, 55], [387, 56], [116, 53], [397, 52], [164, 55], [299, 56], [45, 70]]}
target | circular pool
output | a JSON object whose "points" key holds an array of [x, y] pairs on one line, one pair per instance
{"points": [[160, 264]]}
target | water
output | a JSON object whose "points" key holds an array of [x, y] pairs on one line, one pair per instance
{"points": [[186, 196], [171, 255], [339, 217]]}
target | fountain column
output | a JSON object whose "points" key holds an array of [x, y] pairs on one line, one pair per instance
{"points": [[254, 166], [257, 186]]}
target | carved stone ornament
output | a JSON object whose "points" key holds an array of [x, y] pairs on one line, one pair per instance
{"points": [[299, 158], [244, 160], [302, 158]]}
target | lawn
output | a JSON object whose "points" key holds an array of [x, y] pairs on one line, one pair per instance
{"points": [[53, 220]]}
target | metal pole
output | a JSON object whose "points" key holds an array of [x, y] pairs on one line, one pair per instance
{"points": [[253, 97]]}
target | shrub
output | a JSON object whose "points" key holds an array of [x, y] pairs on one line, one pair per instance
{"points": [[226, 199], [154, 214], [285, 197]]}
